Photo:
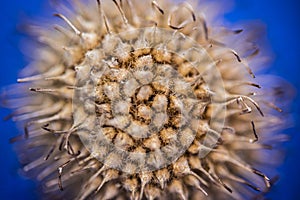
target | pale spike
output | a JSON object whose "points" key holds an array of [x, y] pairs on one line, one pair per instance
{"points": [[131, 185], [66, 138], [121, 12], [145, 178], [176, 187], [240, 61], [66, 78], [232, 84], [152, 192], [110, 174], [272, 105], [190, 8], [64, 114], [42, 90], [182, 167], [133, 13], [162, 175], [40, 112], [245, 108], [23, 110], [74, 54], [87, 159], [30, 78], [254, 103], [66, 32], [217, 178], [254, 132], [194, 182], [184, 23], [196, 164], [56, 70], [198, 177], [155, 4], [204, 26], [91, 179], [240, 180], [245, 167], [34, 164], [134, 196], [49, 42], [77, 32], [81, 169], [60, 171], [89, 38], [63, 92], [170, 24], [87, 191], [103, 16], [239, 98], [49, 119]]}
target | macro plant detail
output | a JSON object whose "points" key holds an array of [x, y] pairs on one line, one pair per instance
{"points": [[147, 99]]}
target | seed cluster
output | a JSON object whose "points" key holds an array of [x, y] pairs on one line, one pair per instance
{"points": [[143, 100], [149, 101]]}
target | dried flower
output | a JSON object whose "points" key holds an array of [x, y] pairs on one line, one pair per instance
{"points": [[144, 100]]}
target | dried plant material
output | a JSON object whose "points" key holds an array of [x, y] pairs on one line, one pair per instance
{"points": [[133, 99]]}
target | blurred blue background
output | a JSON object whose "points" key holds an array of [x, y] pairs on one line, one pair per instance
{"points": [[282, 20]]}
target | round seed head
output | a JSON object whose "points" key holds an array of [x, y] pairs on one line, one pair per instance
{"points": [[144, 100]]}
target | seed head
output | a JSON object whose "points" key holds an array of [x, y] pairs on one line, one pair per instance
{"points": [[144, 100]]}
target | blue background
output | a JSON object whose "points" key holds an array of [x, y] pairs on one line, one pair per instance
{"points": [[282, 20]]}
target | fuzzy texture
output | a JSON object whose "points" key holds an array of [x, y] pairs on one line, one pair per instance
{"points": [[102, 83]]}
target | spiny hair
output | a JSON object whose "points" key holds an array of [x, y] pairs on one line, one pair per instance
{"points": [[133, 99]]}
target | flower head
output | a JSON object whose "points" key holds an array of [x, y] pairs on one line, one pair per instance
{"points": [[147, 99]]}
